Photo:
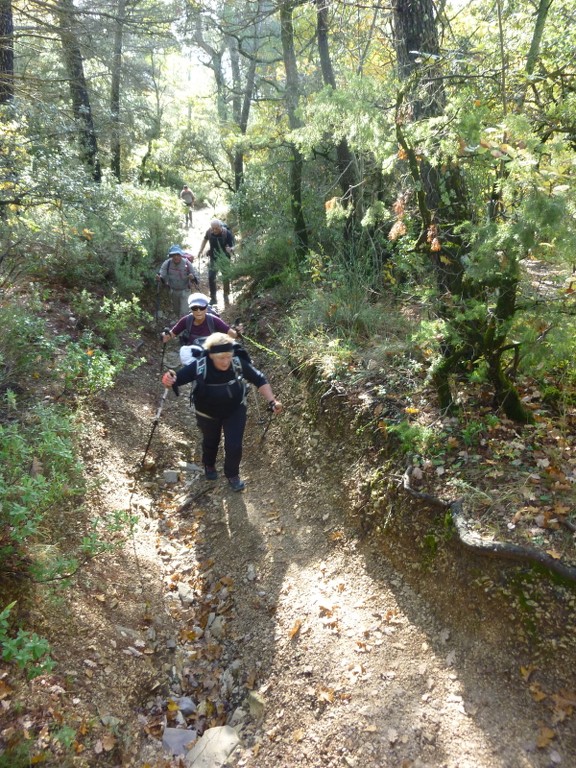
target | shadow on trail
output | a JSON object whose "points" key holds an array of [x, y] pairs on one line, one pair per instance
{"points": [[358, 663], [367, 656]]}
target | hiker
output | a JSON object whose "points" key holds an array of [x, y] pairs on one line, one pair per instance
{"points": [[198, 324], [219, 399], [187, 197], [179, 275], [220, 242]]}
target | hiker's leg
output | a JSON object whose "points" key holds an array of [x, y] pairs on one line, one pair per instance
{"points": [[226, 287], [212, 283], [233, 435], [175, 301], [211, 430]]}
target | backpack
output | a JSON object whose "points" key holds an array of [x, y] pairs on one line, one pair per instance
{"points": [[226, 228], [185, 337], [201, 354]]}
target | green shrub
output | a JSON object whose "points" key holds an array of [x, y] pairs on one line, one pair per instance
{"points": [[24, 347], [25, 649], [38, 471], [86, 369], [109, 318]]}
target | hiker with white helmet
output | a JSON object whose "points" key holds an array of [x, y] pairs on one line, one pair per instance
{"points": [[179, 275], [196, 325]]}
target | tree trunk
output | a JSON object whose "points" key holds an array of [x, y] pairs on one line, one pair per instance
{"points": [[115, 143], [291, 98], [6, 52], [505, 394], [78, 88], [346, 162], [416, 40]]}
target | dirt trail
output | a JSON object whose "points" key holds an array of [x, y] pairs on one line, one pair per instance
{"points": [[346, 663], [265, 608]]}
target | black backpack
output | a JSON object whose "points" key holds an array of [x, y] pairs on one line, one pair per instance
{"points": [[201, 354]]}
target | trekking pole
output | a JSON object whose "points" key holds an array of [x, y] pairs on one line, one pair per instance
{"points": [[154, 425], [164, 332], [260, 419], [157, 311], [270, 408]]}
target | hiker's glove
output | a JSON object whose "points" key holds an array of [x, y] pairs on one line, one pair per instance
{"points": [[169, 378]]}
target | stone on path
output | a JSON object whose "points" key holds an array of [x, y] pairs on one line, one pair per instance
{"points": [[213, 748], [175, 740]]}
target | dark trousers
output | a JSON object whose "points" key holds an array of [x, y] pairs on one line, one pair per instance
{"points": [[233, 427], [212, 273]]}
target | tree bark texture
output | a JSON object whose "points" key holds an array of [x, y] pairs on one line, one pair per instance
{"points": [[291, 98], [6, 52], [78, 87], [116, 144], [417, 49], [345, 160]]}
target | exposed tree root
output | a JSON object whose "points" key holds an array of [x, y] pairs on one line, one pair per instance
{"points": [[481, 546]]}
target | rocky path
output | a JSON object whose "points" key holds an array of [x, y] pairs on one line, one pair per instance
{"points": [[262, 619], [289, 628]]}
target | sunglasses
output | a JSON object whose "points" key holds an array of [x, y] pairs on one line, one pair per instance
{"points": [[198, 309]]}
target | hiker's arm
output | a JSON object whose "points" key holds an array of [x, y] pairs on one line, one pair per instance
{"points": [[161, 274], [185, 375], [238, 329], [202, 246], [266, 392], [175, 331]]}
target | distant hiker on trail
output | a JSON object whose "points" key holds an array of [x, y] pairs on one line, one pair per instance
{"points": [[187, 197], [220, 402], [198, 324], [220, 243], [179, 275]]}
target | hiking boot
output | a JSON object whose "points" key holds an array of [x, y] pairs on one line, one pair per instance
{"points": [[210, 473], [236, 484]]}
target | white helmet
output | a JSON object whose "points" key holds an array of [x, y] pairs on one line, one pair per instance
{"points": [[198, 300]]}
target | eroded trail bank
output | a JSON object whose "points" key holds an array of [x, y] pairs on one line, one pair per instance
{"points": [[276, 617], [268, 610]]}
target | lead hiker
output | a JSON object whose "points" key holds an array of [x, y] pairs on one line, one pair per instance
{"points": [[220, 241], [179, 275], [187, 197], [219, 398]]}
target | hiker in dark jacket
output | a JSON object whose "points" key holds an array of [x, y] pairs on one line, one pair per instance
{"points": [[220, 402], [220, 241], [198, 324]]}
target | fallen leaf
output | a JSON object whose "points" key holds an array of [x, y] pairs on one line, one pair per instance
{"points": [[5, 690], [295, 629], [545, 737], [537, 693], [108, 742], [325, 694], [527, 672]]}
